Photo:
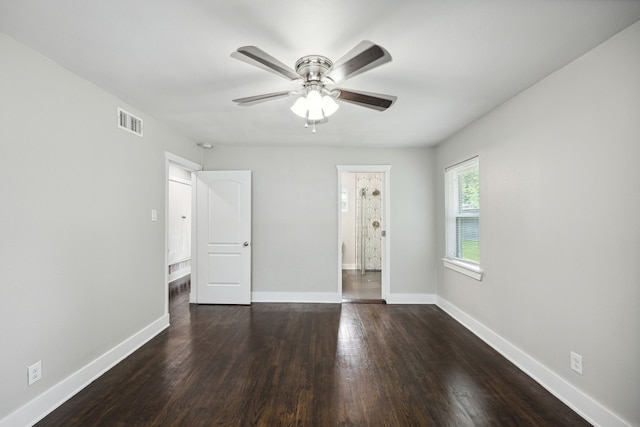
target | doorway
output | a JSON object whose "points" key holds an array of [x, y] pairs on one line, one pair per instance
{"points": [[179, 229], [179, 226], [363, 233]]}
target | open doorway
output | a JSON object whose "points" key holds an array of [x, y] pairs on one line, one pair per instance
{"points": [[179, 230], [364, 249], [179, 227]]}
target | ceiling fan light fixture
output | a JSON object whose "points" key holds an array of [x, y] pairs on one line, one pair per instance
{"points": [[299, 108], [329, 106], [315, 114], [314, 104]]}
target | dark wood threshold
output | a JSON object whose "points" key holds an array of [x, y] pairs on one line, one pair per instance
{"points": [[363, 301]]}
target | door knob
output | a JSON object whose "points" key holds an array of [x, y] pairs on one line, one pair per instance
{"points": [[245, 244]]}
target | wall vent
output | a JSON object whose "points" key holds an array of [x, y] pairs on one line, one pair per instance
{"points": [[129, 122]]}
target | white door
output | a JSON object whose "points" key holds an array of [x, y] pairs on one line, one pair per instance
{"points": [[223, 233]]}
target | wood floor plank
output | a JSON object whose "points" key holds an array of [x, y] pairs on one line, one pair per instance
{"points": [[313, 365]]}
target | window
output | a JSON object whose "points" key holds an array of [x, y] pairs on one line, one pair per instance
{"points": [[345, 199], [462, 204]]}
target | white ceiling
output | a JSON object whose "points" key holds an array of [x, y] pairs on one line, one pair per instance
{"points": [[453, 60]]}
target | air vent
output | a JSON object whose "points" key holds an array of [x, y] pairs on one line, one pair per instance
{"points": [[129, 122]]}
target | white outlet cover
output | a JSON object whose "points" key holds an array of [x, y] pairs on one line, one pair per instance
{"points": [[35, 372], [576, 362]]}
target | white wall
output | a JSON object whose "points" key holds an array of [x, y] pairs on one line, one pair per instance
{"points": [[295, 214], [82, 263], [560, 236]]}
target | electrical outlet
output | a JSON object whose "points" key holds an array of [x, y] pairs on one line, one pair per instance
{"points": [[576, 362], [35, 372]]}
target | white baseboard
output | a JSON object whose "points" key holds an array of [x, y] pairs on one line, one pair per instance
{"points": [[349, 266], [41, 406], [411, 299], [585, 406], [309, 297], [179, 274]]}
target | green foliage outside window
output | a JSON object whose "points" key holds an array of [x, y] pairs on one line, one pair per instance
{"points": [[469, 183], [469, 207], [471, 250]]}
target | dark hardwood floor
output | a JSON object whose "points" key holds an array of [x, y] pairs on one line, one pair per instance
{"points": [[313, 365]]}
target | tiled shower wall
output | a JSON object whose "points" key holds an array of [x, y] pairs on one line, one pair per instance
{"points": [[371, 185]]}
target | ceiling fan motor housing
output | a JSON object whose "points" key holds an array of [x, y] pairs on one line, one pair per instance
{"points": [[312, 68]]}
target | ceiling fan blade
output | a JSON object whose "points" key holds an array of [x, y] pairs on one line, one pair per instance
{"points": [[261, 59], [252, 100], [376, 101], [361, 58]]}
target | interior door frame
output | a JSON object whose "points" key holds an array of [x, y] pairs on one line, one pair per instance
{"points": [[192, 167], [385, 170]]}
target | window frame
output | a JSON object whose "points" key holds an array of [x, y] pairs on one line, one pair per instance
{"points": [[465, 266]]}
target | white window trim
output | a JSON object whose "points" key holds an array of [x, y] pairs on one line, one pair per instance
{"points": [[468, 268]]}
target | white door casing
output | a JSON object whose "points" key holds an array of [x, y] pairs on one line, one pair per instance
{"points": [[223, 234]]}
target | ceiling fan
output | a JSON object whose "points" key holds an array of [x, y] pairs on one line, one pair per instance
{"points": [[317, 75]]}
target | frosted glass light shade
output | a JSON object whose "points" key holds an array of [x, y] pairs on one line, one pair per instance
{"points": [[314, 98], [329, 106], [299, 108], [315, 114], [314, 104]]}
